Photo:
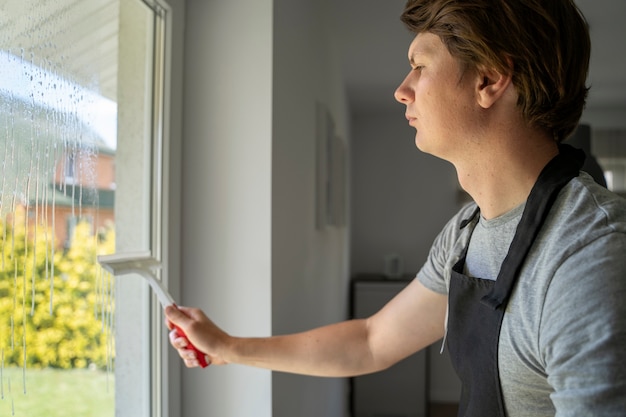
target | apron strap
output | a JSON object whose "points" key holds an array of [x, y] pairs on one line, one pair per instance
{"points": [[558, 172]]}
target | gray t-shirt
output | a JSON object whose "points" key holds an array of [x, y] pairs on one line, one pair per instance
{"points": [[494, 237], [562, 348]]}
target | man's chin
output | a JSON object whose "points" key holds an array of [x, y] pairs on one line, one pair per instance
{"points": [[419, 143]]}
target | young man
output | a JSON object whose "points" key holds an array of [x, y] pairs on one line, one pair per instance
{"points": [[528, 285]]}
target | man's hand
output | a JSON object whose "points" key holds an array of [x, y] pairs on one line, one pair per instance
{"points": [[200, 331]]}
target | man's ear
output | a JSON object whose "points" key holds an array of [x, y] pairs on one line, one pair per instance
{"points": [[490, 86]]}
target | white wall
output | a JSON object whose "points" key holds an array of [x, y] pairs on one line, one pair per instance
{"points": [[309, 267], [251, 257], [226, 192]]}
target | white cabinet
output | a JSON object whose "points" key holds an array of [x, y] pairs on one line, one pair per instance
{"points": [[399, 391]]}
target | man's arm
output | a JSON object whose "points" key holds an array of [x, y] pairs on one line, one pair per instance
{"points": [[409, 322], [583, 335]]}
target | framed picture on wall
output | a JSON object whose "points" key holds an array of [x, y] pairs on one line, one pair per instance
{"points": [[331, 175]]}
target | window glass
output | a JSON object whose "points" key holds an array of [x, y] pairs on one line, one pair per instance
{"points": [[80, 117]]}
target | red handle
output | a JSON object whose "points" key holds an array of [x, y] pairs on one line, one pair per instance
{"points": [[199, 354]]}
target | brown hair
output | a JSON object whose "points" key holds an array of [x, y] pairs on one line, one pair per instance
{"points": [[544, 44]]}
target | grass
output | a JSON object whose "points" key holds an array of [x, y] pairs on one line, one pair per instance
{"points": [[57, 393]]}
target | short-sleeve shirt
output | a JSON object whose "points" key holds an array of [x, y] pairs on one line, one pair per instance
{"points": [[562, 347]]}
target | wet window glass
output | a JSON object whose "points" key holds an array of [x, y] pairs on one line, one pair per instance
{"points": [[80, 86]]}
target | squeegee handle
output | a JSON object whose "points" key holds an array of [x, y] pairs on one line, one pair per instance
{"points": [[199, 354]]}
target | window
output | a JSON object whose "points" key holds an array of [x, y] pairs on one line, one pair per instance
{"points": [[82, 131], [70, 167]]}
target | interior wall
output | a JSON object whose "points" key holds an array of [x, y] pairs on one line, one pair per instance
{"points": [[309, 266], [608, 117], [401, 199], [251, 256], [226, 193]]}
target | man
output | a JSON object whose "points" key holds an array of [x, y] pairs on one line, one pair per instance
{"points": [[527, 285]]}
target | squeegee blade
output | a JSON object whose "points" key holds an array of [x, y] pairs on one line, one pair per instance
{"points": [[118, 264]]}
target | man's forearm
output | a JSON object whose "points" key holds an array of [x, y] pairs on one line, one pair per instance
{"points": [[336, 350]]}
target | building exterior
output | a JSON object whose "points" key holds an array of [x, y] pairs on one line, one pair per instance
{"points": [[82, 189]]}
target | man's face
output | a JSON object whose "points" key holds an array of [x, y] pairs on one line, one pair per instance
{"points": [[440, 99]]}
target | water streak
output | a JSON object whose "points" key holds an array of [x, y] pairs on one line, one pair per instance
{"points": [[24, 359], [2, 374]]}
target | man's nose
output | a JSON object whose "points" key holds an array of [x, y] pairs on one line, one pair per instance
{"points": [[403, 94]]}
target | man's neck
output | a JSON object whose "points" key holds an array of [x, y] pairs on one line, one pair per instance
{"points": [[502, 177]]}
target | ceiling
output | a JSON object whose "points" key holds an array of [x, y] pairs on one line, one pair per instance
{"points": [[373, 45]]}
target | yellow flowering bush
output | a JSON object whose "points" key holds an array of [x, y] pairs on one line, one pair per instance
{"points": [[55, 306]]}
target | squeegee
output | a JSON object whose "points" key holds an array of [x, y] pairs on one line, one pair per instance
{"points": [[144, 265]]}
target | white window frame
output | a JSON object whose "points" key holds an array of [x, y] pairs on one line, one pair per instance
{"points": [[145, 392]]}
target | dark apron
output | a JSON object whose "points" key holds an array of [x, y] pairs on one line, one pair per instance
{"points": [[477, 306]]}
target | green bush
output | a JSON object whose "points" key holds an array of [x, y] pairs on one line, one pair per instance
{"points": [[55, 307]]}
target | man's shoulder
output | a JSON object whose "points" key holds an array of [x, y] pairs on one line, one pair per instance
{"points": [[587, 208], [466, 214], [585, 234]]}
